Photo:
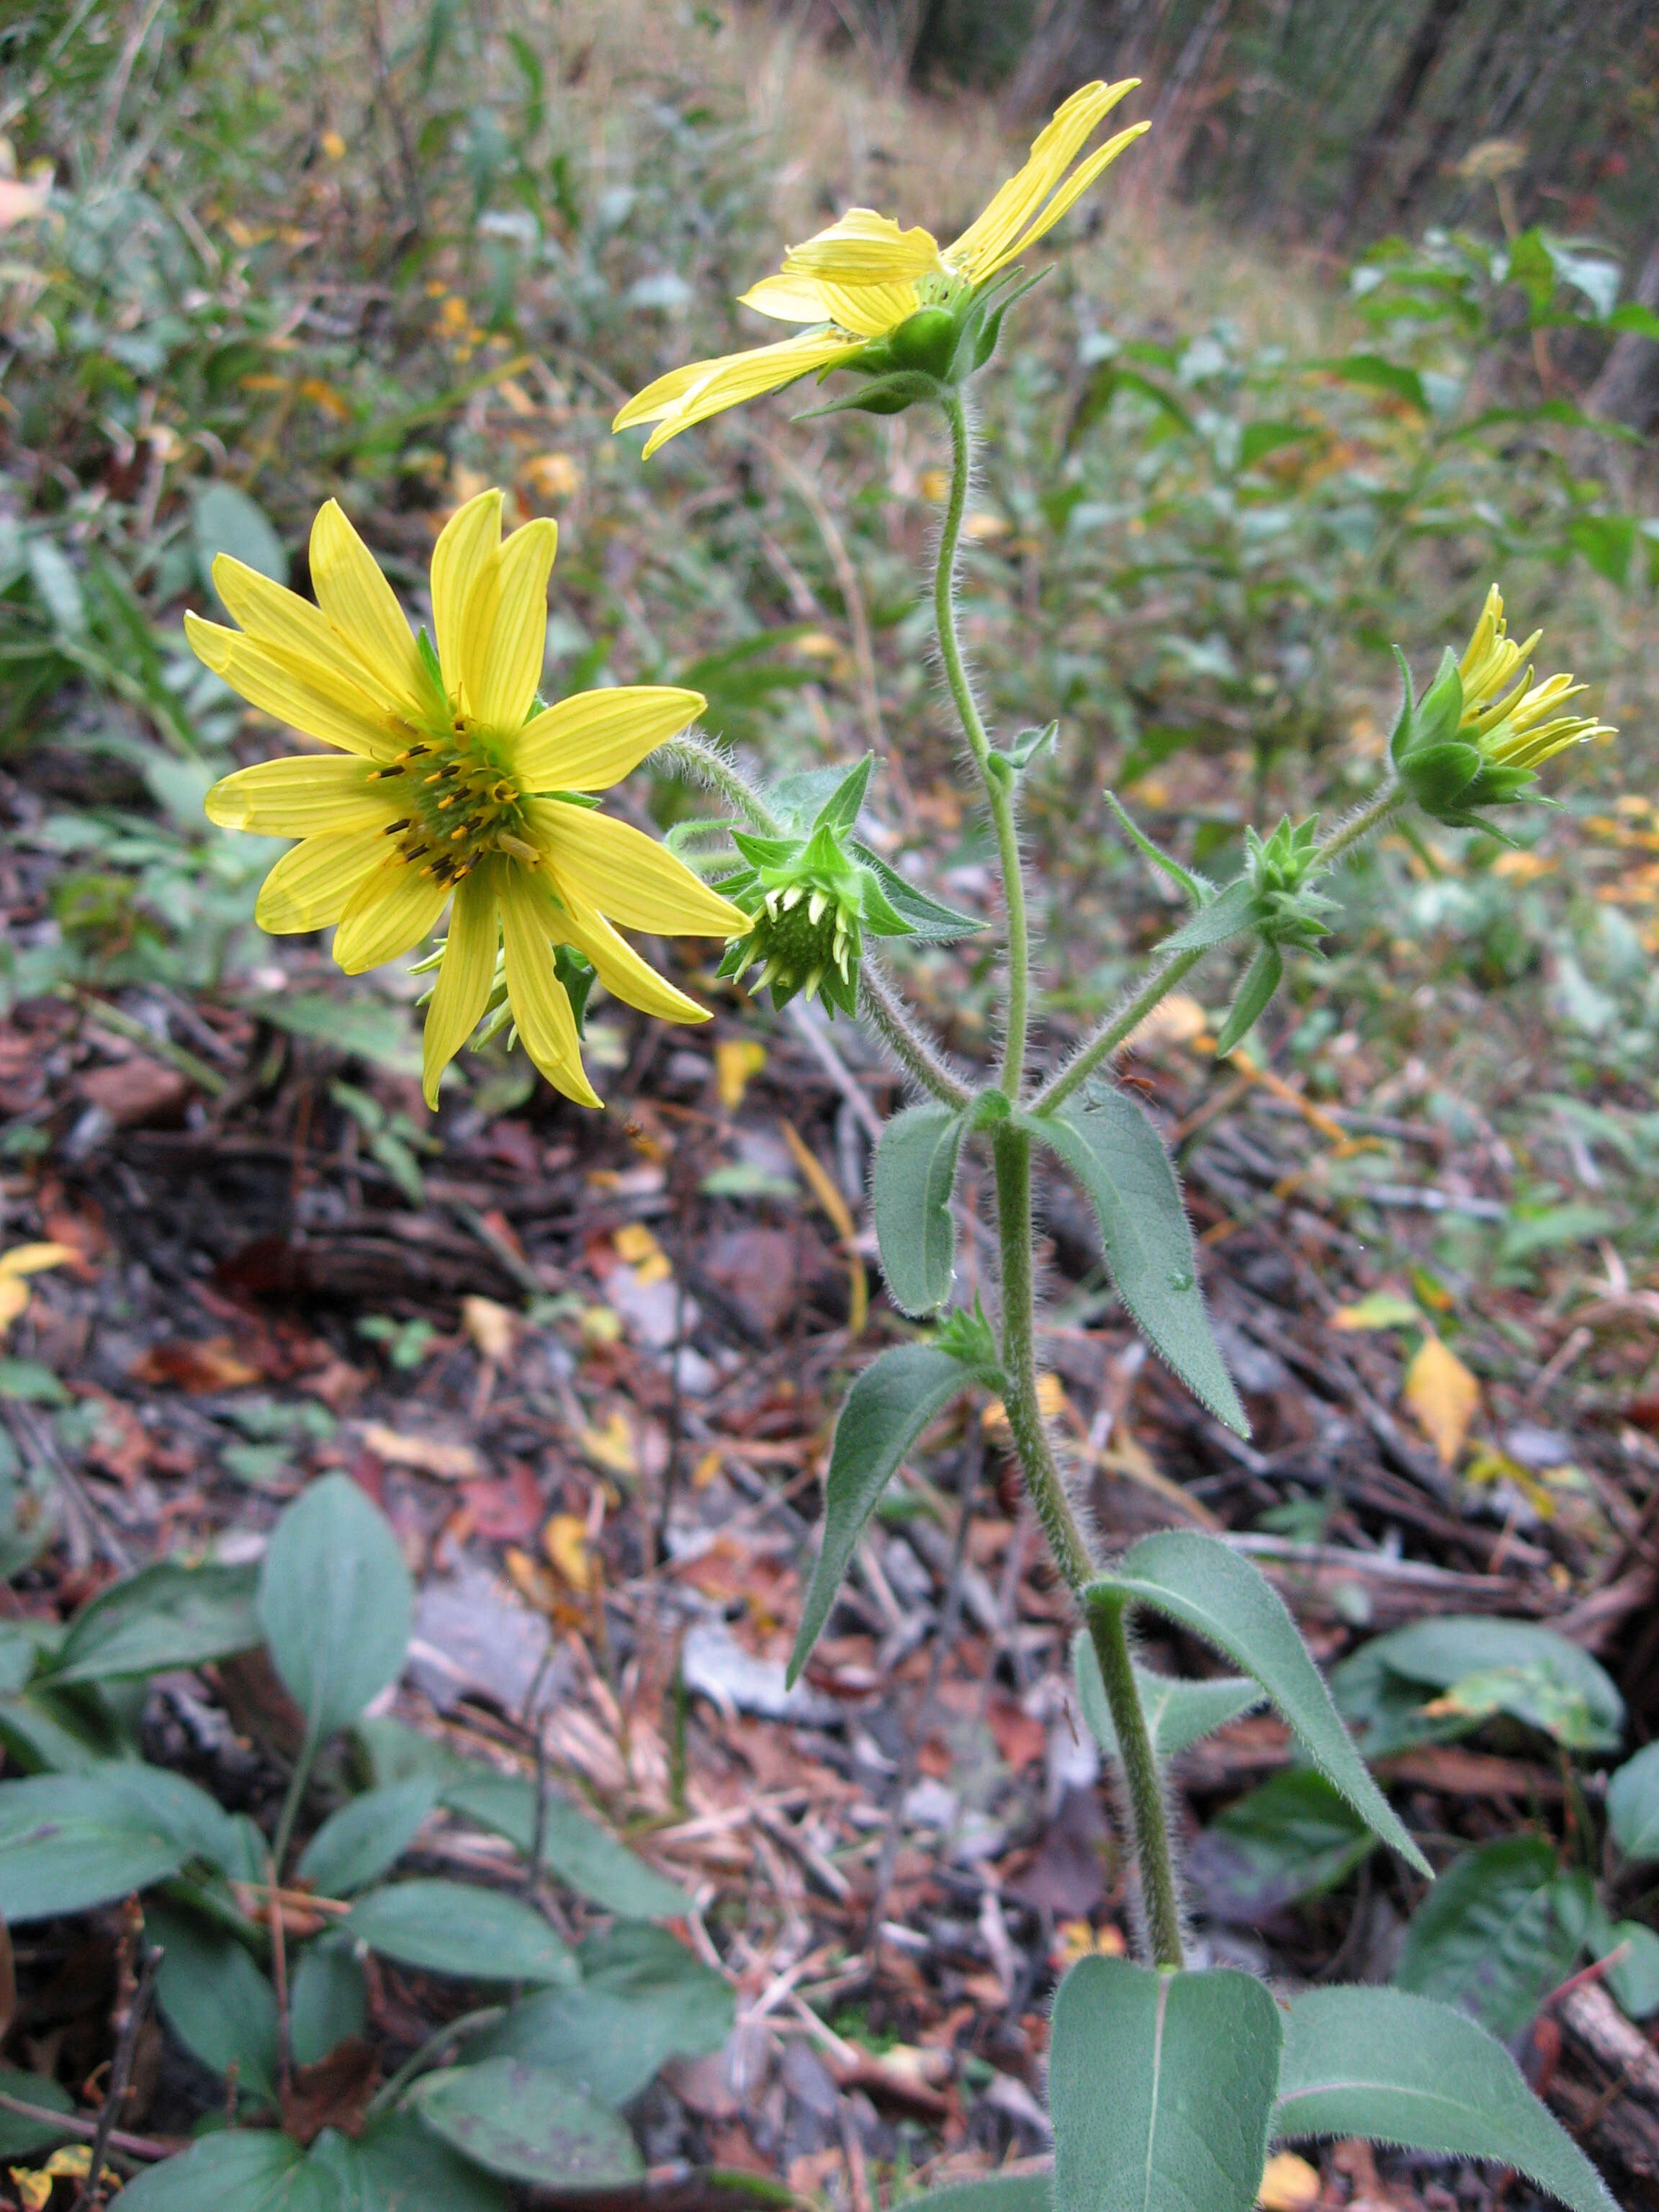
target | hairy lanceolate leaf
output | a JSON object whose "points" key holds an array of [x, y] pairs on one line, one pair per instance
{"points": [[1229, 914], [915, 1173], [1633, 1806], [335, 1602], [1397, 2069], [1160, 2087], [456, 1927], [931, 922], [1219, 1595], [1178, 1713], [1119, 1157], [886, 1410], [1489, 1938], [164, 1616]]}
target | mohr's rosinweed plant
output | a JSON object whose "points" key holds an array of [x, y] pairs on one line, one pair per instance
{"points": [[1167, 2082]]}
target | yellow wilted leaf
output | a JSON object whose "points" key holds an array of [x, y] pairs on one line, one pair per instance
{"points": [[333, 145], [426, 1455], [493, 1328], [323, 396], [1051, 1403], [736, 1061], [565, 1541], [21, 1260], [553, 475], [635, 1243], [613, 1446], [1289, 2184], [934, 484], [1443, 1396], [1174, 1020], [858, 1289], [531, 1580]]}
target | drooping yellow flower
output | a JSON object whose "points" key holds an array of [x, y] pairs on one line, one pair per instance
{"points": [[863, 276], [1509, 718], [17, 1265], [453, 786]]}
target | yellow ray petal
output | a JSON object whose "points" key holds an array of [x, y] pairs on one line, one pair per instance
{"points": [[869, 311], [540, 1007], [743, 376], [627, 875], [1072, 191], [620, 969], [661, 398], [464, 980], [788, 299], [272, 614], [589, 742], [31, 1259], [865, 247], [986, 241], [390, 912], [360, 604], [304, 694], [311, 887], [504, 639], [307, 796], [466, 545]]}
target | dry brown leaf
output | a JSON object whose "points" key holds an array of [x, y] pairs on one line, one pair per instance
{"points": [[1443, 1396], [565, 1541], [493, 1328], [736, 1061], [426, 1455], [200, 1365]]}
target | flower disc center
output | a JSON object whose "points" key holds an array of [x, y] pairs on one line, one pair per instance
{"points": [[461, 800]]}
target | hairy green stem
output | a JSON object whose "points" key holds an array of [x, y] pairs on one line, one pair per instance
{"points": [[1140, 1774], [1168, 973], [887, 1014], [696, 757], [997, 789]]}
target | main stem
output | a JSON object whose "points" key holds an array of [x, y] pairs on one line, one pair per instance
{"points": [[997, 789]]}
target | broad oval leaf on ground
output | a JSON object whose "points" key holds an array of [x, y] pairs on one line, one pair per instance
{"points": [[456, 1927], [910, 1188], [1294, 1836], [1160, 2087], [528, 2123], [1015, 2192], [1488, 1937], [1633, 1806], [252, 2170], [1179, 1714], [215, 1999], [1219, 1595], [20, 2137], [357, 1844], [67, 1844], [1119, 1158], [336, 1603], [1483, 1665], [887, 1408], [164, 1616], [1394, 2067], [575, 1846], [327, 1999], [395, 2165]]}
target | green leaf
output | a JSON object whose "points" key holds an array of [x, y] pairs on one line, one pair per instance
{"points": [[357, 1844], [394, 2165], [335, 1603], [1397, 2069], [915, 1174], [1294, 1836], [1160, 2085], [215, 1999], [1018, 2192], [1255, 995], [1380, 376], [1485, 1665], [1229, 914], [1385, 1712], [1178, 1714], [1024, 747], [887, 1408], [1219, 1594], [1633, 1806], [528, 2123], [165, 1616], [1488, 1937], [1261, 439], [255, 2171], [227, 520], [932, 923], [20, 2138], [573, 1846], [454, 1927], [67, 1843], [841, 809], [1119, 1158], [1633, 1979], [1635, 318], [327, 2000], [644, 1999], [1606, 541]]}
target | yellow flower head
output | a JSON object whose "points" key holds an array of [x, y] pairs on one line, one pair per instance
{"points": [[16, 1267], [454, 784], [862, 277], [1509, 718]]}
